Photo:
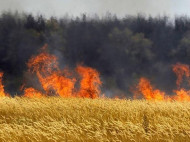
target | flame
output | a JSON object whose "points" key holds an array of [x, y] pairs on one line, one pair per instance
{"points": [[182, 95], [2, 91], [58, 84], [61, 82], [32, 93], [50, 76], [145, 88], [148, 92], [181, 70], [90, 82], [43, 64], [55, 81]]}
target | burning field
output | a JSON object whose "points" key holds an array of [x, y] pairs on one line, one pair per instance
{"points": [[67, 105], [85, 82]]}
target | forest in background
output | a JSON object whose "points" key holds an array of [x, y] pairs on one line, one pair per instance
{"points": [[122, 50]]}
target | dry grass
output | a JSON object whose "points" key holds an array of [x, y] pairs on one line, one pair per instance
{"points": [[59, 119]]}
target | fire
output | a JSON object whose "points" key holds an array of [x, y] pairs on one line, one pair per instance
{"points": [[182, 95], [2, 91], [43, 64], [85, 81], [55, 81], [31, 93], [148, 92], [181, 70], [90, 82], [145, 88]]}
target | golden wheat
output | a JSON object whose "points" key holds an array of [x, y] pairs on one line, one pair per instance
{"points": [[55, 119]]}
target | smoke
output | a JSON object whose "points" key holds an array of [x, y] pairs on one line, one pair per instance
{"points": [[123, 7], [100, 7], [120, 50], [6, 5]]}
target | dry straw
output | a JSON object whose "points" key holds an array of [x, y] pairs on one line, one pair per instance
{"points": [[55, 119]]}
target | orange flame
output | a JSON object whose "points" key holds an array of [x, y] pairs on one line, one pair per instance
{"points": [[148, 92], [2, 91], [57, 82], [181, 70], [90, 82], [32, 93], [182, 95], [145, 88]]}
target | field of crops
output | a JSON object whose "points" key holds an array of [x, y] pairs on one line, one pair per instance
{"points": [[55, 119]]}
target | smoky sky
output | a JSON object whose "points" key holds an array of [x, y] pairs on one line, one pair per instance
{"points": [[100, 7]]}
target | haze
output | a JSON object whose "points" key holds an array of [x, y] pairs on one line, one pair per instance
{"points": [[100, 7]]}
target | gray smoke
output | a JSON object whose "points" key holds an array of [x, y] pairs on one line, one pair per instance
{"points": [[100, 7]]}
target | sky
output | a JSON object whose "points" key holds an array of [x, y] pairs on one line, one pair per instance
{"points": [[121, 8]]}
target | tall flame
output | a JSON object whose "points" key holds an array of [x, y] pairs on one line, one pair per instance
{"points": [[55, 81], [2, 91], [90, 82], [181, 70], [61, 82]]}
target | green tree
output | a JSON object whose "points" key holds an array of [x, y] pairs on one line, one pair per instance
{"points": [[182, 52]]}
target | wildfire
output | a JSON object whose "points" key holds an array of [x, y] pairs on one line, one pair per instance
{"points": [[89, 85], [182, 95], [85, 81], [181, 70], [145, 88], [148, 92], [55, 81], [31, 93], [2, 91]]}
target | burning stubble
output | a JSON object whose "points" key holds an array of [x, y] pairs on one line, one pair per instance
{"points": [[145, 88], [63, 83], [55, 81]]}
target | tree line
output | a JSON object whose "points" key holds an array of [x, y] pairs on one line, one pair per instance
{"points": [[122, 50]]}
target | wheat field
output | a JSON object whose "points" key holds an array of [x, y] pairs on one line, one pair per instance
{"points": [[55, 119]]}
